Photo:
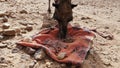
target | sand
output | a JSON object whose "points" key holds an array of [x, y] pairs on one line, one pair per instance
{"points": [[102, 15]]}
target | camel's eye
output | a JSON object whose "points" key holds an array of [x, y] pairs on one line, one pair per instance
{"points": [[73, 5], [55, 5]]}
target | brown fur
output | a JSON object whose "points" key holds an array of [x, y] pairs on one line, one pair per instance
{"points": [[63, 14]]}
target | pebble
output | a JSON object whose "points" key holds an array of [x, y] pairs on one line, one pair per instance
{"points": [[92, 51], [89, 37], [29, 28], [31, 65], [2, 0], [106, 61], [1, 37], [9, 46], [105, 53], [109, 37], [9, 32], [106, 27], [40, 54], [61, 55], [25, 57], [3, 45], [85, 18], [23, 11], [48, 64], [2, 20], [118, 20], [37, 65], [63, 65], [47, 60], [76, 25], [22, 66], [17, 30], [30, 50], [23, 23], [27, 39], [24, 31], [1, 30], [5, 25], [15, 50], [2, 59], [46, 25], [2, 13], [20, 47], [4, 65]]}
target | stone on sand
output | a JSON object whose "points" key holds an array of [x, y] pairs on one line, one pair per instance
{"points": [[9, 32]]}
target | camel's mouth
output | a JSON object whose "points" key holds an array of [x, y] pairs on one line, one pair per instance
{"points": [[73, 49]]}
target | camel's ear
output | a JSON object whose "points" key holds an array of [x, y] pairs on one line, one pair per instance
{"points": [[73, 5], [55, 5]]}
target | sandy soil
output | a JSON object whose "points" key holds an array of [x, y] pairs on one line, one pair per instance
{"points": [[102, 15]]}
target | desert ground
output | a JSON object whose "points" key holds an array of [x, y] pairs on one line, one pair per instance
{"points": [[24, 18]]}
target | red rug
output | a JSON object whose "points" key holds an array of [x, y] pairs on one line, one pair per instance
{"points": [[72, 50]]}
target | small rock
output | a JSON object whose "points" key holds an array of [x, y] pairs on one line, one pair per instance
{"points": [[27, 39], [29, 28], [20, 47], [30, 50], [47, 60], [48, 64], [2, 13], [1, 37], [61, 55], [118, 20], [2, 59], [92, 51], [37, 65], [17, 30], [4, 65], [76, 25], [9, 46], [25, 57], [107, 62], [21, 65], [23, 11], [106, 27], [63, 65], [109, 37], [15, 50], [89, 37], [2, 20], [5, 25], [3, 45], [23, 23], [24, 31], [105, 52], [86, 22], [3, 0], [31, 65], [1, 30], [5, 20], [85, 18], [46, 25], [40, 54], [9, 32], [94, 13]]}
